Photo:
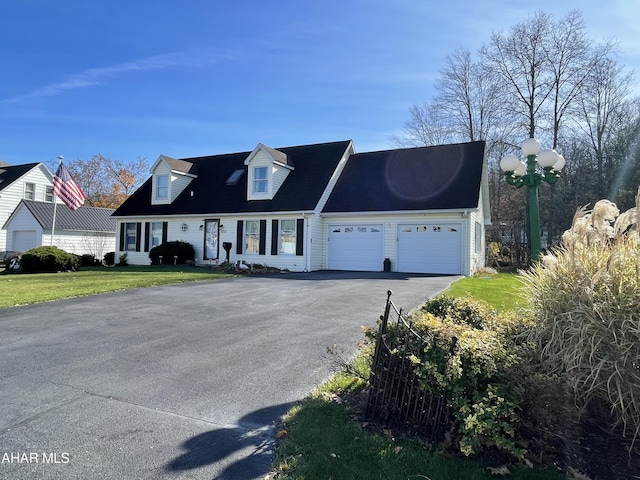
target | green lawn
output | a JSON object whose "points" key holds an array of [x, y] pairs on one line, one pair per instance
{"points": [[502, 291], [23, 289]]}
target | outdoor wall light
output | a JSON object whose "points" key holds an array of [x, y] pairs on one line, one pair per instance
{"points": [[518, 173]]}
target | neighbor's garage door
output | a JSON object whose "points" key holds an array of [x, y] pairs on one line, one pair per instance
{"points": [[355, 247], [23, 240], [430, 248]]}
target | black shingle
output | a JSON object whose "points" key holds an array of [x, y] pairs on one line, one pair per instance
{"points": [[302, 189], [423, 178]]}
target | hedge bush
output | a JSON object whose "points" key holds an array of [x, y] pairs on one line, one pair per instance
{"points": [[168, 250], [475, 356], [48, 259], [109, 259], [88, 260]]}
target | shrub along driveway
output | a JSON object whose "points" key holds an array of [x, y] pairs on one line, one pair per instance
{"points": [[182, 381]]}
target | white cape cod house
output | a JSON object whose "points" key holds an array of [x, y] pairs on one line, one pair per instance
{"points": [[316, 207]]}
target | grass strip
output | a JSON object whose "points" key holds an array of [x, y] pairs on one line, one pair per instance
{"points": [[324, 441], [23, 289]]}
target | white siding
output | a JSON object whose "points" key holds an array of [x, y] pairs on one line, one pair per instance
{"points": [[10, 196], [477, 252], [228, 233], [82, 243], [178, 184]]}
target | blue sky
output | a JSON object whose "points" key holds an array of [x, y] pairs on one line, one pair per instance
{"points": [[136, 79]]}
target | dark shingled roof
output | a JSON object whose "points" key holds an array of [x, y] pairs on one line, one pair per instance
{"points": [[302, 189], [423, 178], [90, 219], [10, 173]]}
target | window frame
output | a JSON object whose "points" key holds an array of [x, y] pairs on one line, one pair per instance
{"points": [[281, 234], [49, 196], [29, 191], [246, 235], [128, 227], [158, 233], [260, 182], [162, 188]]}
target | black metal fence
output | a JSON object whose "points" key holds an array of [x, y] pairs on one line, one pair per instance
{"points": [[396, 395]]}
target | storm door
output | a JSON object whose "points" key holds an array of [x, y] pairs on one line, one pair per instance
{"points": [[211, 239]]}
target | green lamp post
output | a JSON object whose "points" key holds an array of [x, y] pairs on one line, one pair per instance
{"points": [[518, 173]]}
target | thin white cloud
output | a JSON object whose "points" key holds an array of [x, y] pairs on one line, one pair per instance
{"points": [[102, 75]]}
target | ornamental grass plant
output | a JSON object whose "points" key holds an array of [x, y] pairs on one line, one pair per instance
{"points": [[585, 298]]}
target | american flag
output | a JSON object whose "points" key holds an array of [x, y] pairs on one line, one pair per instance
{"points": [[66, 188]]}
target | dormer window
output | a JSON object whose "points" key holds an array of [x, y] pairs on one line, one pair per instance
{"points": [[170, 178], [162, 187], [260, 180], [267, 169]]}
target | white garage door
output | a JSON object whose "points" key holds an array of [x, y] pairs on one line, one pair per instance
{"points": [[23, 240], [430, 248], [355, 247]]}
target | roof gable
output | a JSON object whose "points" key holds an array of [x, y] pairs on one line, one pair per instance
{"points": [[175, 165], [423, 178], [277, 156], [11, 173]]}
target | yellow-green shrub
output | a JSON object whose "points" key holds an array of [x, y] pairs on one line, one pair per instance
{"points": [[471, 356]]}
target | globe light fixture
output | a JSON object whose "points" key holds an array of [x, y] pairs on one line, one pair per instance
{"points": [[518, 173]]}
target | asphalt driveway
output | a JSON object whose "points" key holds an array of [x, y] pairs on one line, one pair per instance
{"points": [[183, 381]]}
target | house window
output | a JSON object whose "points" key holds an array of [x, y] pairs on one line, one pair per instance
{"points": [[30, 191], [162, 187], [478, 237], [288, 236], [155, 238], [260, 182], [251, 236], [131, 230], [48, 194]]}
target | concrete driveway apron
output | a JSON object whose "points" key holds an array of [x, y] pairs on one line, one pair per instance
{"points": [[183, 381]]}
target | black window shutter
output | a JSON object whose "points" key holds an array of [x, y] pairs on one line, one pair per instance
{"points": [[239, 238], [123, 227], [263, 238], [300, 236], [138, 235], [165, 226], [146, 236], [274, 237]]}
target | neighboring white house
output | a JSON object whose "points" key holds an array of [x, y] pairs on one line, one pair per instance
{"points": [[31, 181], [315, 207], [86, 230]]}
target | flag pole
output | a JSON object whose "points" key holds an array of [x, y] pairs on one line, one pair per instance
{"points": [[55, 207]]}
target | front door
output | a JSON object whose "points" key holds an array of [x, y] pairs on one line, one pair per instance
{"points": [[211, 239]]}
